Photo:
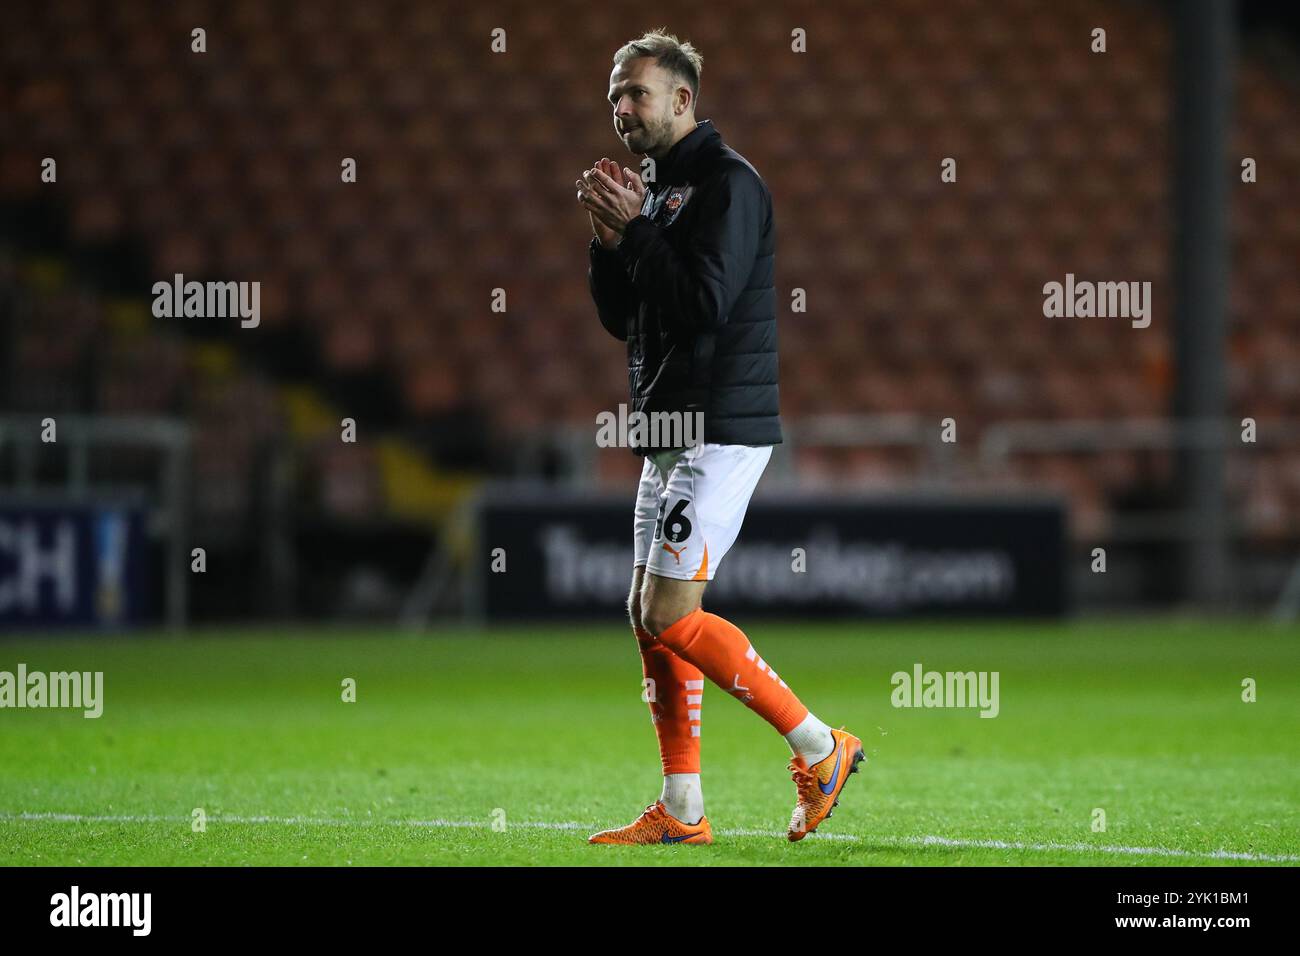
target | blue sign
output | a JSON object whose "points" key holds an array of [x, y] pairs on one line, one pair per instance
{"points": [[571, 556], [71, 565]]}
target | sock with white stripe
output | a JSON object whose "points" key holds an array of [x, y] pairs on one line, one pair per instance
{"points": [[682, 796], [674, 690], [722, 653], [811, 740]]}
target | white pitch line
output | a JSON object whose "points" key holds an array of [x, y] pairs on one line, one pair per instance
{"points": [[883, 841]]}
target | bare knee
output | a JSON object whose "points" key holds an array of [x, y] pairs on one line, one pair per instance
{"points": [[657, 618], [634, 600], [665, 601], [636, 617]]}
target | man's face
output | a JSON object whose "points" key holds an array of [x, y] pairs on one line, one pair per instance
{"points": [[642, 97]]}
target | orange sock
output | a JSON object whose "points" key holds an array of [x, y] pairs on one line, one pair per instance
{"points": [[721, 650], [674, 704]]}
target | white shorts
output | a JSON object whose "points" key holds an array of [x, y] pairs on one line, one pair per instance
{"points": [[689, 507]]}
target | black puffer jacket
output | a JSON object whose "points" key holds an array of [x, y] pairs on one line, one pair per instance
{"points": [[690, 289]]}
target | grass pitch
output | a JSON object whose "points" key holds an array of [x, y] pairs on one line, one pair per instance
{"points": [[541, 731]]}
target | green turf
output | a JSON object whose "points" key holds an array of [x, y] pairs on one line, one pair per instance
{"points": [[1143, 719]]}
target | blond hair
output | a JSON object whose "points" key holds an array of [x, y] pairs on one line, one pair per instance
{"points": [[679, 59]]}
